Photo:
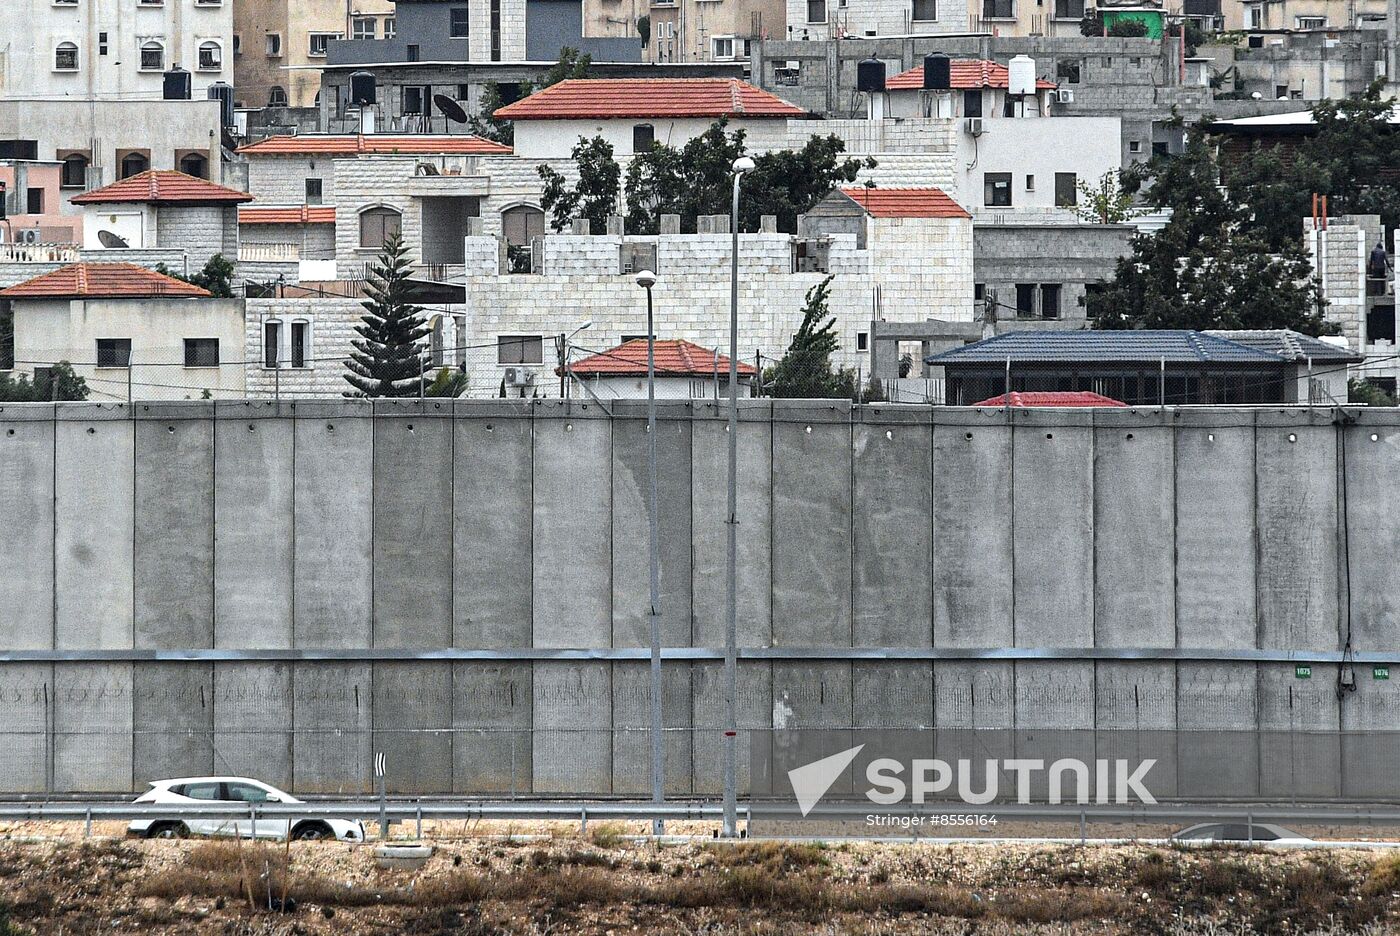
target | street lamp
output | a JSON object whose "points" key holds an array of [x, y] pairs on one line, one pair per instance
{"points": [[647, 279], [742, 166]]}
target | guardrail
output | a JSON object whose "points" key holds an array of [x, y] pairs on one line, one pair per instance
{"points": [[38, 253]]}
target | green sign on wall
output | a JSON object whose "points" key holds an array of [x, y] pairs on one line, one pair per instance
{"points": [[1302, 672], [1380, 672]]}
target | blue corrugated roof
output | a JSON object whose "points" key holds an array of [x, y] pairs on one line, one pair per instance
{"points": [[1289, 345], [1176, 346]]}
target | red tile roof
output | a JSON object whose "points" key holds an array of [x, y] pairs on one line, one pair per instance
{"points": [[605, 98], [103, 281], [674, 358], [906, 203], [163, 187], [966, 74], [1034, 398], [375, 145], [296, 214]]}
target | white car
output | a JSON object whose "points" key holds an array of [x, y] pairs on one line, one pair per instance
{"points": [[1259, 832], [195, 790]]}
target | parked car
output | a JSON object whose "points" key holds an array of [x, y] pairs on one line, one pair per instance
{"points": [[1239, 832], [195, 790]]}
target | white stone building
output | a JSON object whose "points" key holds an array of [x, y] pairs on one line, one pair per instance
{"points": [[116, 50], [682, 369], [163, 209]]}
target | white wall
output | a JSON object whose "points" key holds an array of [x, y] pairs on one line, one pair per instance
{"points": [[555, 139], [884, 17], [1086, 146]]}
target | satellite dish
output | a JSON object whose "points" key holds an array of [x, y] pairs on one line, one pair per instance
{"points": [[450, 108], [109, 239]]}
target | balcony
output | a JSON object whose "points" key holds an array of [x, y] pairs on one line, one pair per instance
{"points": [[269, 253], [38, 253]]}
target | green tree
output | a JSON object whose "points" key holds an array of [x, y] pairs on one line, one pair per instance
{"points": [[1207, 268], [447, 382], [593, 196], [1106, 201], [58, 382], [1364, 393], [1128, 29], [389, 357], [216, 276], [805, 369], [644, 29]]}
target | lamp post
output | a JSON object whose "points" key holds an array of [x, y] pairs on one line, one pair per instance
{"points": [[742, 165], [647, 279]]}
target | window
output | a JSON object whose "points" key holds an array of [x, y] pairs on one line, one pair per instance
{"points": [[363, 27], [201, 352], [102, 43], [277, 97], [301, 344], [65, 2], [202, 791], [114, 352], [413, 54], [1025, 300], [1067, 70], [211, 56], [416, 99], [519, 349], [313, 191], [722, 47], [643, 136], [274, 45], [318, 41], [1256, 17], [34, 201], [997, 9], [925, 10], [1069, 9], [195, 164], [65, 56], [1050, 300], [972, 102], [152, 56], [521, 224], [1380, 324], [74, 171], [495, 30], [134, 164], [464, 93], [816, 11], [459, 27], [1066, 190], [391, 27], [1135, 146], [377, 225], [247, 793], [862, 341], [997, 189], [1030, 183], [272, 340]]}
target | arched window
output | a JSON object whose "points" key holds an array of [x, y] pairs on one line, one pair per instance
{"points": [[211, 56], [134, 164], [301, 343], [521, 224], [277, 97], [74, 171], [377, 225], [272, 343], [152, 56], [194, 164], [65, 56]]}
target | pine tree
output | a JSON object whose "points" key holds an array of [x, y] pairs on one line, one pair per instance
{"points": [[389, 357], [805, 369]]}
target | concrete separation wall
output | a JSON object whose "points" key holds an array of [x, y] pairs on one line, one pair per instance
{"points": [[284, 590]]}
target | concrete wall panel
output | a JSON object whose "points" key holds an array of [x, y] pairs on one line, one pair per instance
{"points": [[573, 530], [632, 729], [1053, 536], [334, 525], [892, 520], [253, 721], [492, 537], [1215, 529], [1299, 747], [1216, 702], [492, 716], [93, 721], [174, 718], [573, 728], [253, 511], [753, 568], [413, 724], [754, 708], [1372, 506], [630, 494], [26, 716], [27, 531], [811, 523], [333, 744], [174, 526], [93, 528], [972, 594]]}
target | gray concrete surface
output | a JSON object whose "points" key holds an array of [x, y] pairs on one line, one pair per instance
{"points": [[520, 527]]}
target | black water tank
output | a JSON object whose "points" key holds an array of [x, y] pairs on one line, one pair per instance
{"points": [[223, 93], [177, 85], [362, 88], [870, 75], [938, 72]]}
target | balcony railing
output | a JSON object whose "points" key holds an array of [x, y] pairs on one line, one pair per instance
{"points": [[254, 253], [38, 253]]}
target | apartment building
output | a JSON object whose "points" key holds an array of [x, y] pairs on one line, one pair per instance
{"points": [[112, 49], [280, 45], [689, 30], [1303, 14]]}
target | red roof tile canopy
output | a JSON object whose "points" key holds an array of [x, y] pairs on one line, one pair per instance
{"points": [[966, 74], [295, 214], [103, 281], [674, 358], [906, 203], [375, 145], [605, 98], [163, 187], [1075, 398]]}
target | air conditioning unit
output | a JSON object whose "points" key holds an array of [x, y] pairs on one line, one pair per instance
{"points": [[973, 126], [519, 377], [1064, 95], [30, 236]]}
